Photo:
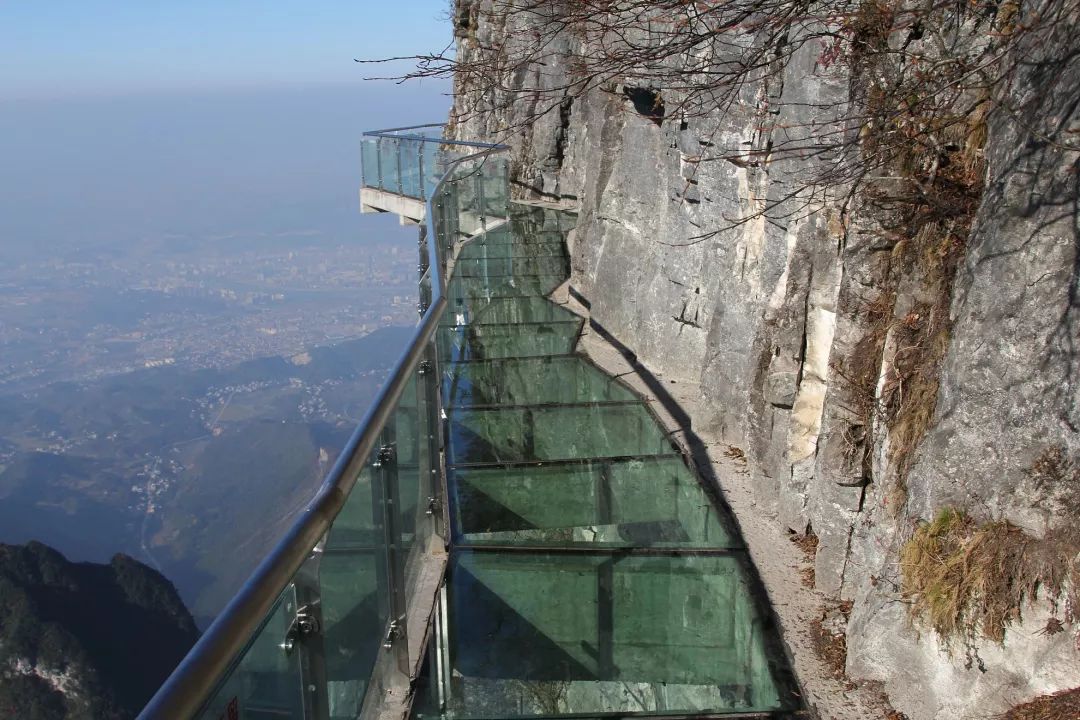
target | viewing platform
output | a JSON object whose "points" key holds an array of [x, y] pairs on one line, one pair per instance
{"points": [[511, 533]]}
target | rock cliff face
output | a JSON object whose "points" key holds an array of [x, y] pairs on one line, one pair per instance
{"points": [[81, 640], [877, 364]]}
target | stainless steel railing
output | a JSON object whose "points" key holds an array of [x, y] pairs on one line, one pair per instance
{"points": [[285, 585]]}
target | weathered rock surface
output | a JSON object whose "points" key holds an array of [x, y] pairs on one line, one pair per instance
{"points": [[794, 323]]}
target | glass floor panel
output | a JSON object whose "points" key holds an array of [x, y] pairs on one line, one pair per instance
{"points": [[530, 381], [502, 286], [504, 310], [515, 235], [559, 432], [548, 634], [642, 502], [494, 245], [591, 574], [517, 266], [480, 342], [483, 250]]}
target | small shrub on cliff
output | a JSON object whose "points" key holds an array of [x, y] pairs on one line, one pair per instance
{"points": [[1059, 706], [967, 579], [1053, 483]]}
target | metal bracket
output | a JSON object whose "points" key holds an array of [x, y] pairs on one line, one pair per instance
{"points": [[303, 625], [385, 455], [392, 633]]}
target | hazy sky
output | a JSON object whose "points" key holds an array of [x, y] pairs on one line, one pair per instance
{"points": [[57, 48], [123, 119]]}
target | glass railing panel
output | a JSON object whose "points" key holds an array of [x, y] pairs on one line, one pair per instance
{"points": [[444, 222], [369, 157], [267, 680], [482, 342], [496, 188], [415, 448], [661, 637], [315, 653], [467, 183], [410, 161], [457, 204], [433, 166], [405, 429], [530, 381], [355, 586], [389, 157], [546, 433], [641, 502]]}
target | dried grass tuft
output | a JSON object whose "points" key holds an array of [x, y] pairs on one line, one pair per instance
{"points": [[967, 579], [1064, 705]]}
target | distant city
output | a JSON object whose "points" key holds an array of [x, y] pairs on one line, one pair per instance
{"points": [[144, 393], [194, 317], [200, 305]]}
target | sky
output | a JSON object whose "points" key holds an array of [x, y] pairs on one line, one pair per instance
{"points": [[121, 120], [65, 48]]}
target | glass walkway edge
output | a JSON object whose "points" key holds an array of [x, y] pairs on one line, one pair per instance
{"points": [[511, 533]]}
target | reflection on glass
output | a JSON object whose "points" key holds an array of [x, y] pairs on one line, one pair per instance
{"points": [[646, 607], [548, 379], [521, 310], [591, 572], [355, 595], [369, 155], [266, 680], [480, 287], [638, 502], [388, 158], [492, 266], [542, 634], [481, 342], [545, 433]]}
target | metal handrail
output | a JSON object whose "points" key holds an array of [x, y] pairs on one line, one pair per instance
{"points": [[194, 680], [396, 134], [385, 131]]}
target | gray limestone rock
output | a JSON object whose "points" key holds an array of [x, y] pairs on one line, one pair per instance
{"points": [[783, 308]]}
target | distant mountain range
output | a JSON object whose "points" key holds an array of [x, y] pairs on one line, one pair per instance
{"points": [[84, 640]]}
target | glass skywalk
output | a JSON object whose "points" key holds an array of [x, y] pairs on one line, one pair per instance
{"points": [[591, 574], [510, 532]]}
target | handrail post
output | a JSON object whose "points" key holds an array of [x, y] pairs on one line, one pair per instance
{"points": [[311, 632], [481, 201], [397, 633], [397, 157], [378, 161], [429, 398], [420, 169]]}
